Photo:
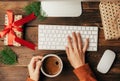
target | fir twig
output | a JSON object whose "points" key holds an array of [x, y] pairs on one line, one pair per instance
{"points": [[8, 56], [35, 8]]}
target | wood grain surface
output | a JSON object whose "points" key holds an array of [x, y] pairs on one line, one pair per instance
{"points": [[89, 17]]}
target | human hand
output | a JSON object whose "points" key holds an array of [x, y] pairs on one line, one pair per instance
{"points": [[34, 68], [75, 50]]}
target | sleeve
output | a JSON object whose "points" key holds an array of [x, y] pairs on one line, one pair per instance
{"points": [[29, 79], [84, 73]]}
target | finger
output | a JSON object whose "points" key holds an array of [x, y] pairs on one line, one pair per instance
{"points": [[30, 70], [38, 65], [79, 41], [70, 43], [38, 58], [67, 51], [86, 45], [34, 59], [32, 63], [75, 43]]}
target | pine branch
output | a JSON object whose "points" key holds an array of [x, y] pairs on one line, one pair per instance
{"points": [[8, 56], [35, 8]]}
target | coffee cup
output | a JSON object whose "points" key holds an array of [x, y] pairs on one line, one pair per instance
{"points": [[51, 65]]}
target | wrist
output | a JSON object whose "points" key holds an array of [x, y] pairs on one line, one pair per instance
{"points": [[33, 79], [29, 79], [80, 65]]}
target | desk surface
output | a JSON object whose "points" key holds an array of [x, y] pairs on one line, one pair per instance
{"points": [[90, 16]]}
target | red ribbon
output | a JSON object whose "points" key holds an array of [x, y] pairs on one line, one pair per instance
{"points": [[12, 26]]}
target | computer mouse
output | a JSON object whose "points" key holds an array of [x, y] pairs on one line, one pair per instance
{"points": [[106, 61]]}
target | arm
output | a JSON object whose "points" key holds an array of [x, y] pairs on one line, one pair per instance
{"points": [[34, 68], [76, 55], [29, 79], [84, 73]]}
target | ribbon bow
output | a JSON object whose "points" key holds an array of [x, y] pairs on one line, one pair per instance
{"points": [[15, 26]]}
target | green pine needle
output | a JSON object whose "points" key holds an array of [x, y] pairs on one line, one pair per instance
{"points": [[8, 56], [35, 8]]}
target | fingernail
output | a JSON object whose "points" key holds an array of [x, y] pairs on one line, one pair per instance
{"points": [[87, 39], [39, 59], [68, 37], [73, 33]]}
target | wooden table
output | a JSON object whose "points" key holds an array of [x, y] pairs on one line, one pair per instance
{"points": [[90, 16]]}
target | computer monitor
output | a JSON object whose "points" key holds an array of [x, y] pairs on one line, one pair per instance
{"points": [[62, 8]]}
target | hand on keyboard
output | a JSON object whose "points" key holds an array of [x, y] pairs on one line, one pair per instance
{"points": [[53, 37], [75, 50]]}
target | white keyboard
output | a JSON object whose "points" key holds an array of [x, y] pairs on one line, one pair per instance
{"points": [[54, 37]]}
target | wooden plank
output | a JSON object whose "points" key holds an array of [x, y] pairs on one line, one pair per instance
{"points": [[12, 5], [89, 5], [85, 18], [13, 73], [82, 20], [25, 54], [33, 37], [67, 72], [9, 72], [8, 5], [103, 42]]}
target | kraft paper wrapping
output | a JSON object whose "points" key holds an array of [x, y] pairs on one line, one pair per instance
{"points": [[110, 14]]}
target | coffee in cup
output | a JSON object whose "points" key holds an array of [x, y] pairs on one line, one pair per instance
{"points": [[51, 65]]}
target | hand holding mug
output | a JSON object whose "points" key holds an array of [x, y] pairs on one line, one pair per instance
{"points": [[34, 68]]}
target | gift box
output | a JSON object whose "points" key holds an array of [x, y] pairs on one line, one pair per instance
{"points": [[17, 33], [110, 15], [12, 31]]}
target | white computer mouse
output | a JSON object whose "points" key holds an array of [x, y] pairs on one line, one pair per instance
{"points": [[106, 61]]}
